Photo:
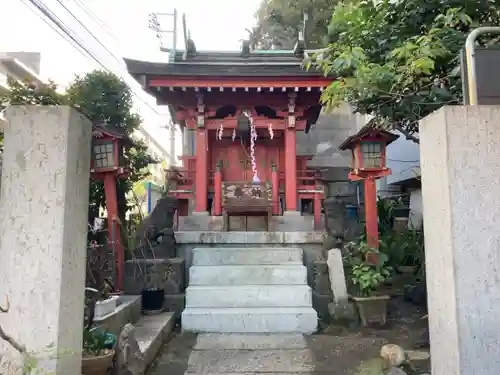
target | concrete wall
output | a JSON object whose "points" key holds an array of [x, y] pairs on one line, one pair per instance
{"points": [[325, 137], [416, 209], [403, 158], [460, 153]]}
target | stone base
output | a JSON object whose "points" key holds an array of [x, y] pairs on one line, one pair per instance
{"points": [[343, 312], [139, 344], [167, 274], [290, 221], [128, 311]]}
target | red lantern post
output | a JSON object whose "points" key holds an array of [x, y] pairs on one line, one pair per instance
{"points": [[369, 163], [107, 165]]}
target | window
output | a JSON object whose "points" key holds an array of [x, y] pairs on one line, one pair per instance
{"points": [[372, 154], [103, 155]]}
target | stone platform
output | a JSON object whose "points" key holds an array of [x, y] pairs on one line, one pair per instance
{"points": [[290, 221]]}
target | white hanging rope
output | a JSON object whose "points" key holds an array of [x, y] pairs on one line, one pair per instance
{"points": [[253, 138]]}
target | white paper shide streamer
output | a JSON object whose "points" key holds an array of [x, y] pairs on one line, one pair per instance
{"points": [[253, 138], [220, 132], [271, 132]]}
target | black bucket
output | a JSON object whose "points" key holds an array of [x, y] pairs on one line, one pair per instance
{"points": [[152, 299]]}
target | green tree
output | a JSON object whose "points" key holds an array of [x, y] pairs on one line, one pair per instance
{"points": [[102, 98], [279, 22], [106, 99], [398, 60]]}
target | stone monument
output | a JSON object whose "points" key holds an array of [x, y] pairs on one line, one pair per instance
{"points": [[43, 231]]}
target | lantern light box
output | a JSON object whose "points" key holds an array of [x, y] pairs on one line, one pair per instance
{"points": [[107, 149], [368, 149]]}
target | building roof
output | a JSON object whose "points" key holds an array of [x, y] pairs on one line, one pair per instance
{"points": [[370, 129], [102, 130], [226, 64]]}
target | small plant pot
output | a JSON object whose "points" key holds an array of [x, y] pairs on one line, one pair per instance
{"points": [[372, 309], [407, 270], [98, 365], [152, 300], [103, 308]]}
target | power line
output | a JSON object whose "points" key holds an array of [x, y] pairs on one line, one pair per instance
{"points": [[119, 61], [66, 33], [95, 18]]}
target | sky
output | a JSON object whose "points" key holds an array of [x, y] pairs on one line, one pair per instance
{"points": [[122, 26]]}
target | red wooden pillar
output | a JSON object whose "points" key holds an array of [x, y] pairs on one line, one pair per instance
{"points": [[114, 230], [201, 170], [276, 190], [371, 216], [290, 169], [218, 191]]}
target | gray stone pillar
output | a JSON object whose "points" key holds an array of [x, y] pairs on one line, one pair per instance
{"points": [[43, 231], [460, 164]]}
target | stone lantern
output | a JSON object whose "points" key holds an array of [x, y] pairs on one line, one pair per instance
{"points": [[369, 162], [107, 164]]}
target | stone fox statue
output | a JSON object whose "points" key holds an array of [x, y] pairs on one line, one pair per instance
{"points": [[157, 228]]}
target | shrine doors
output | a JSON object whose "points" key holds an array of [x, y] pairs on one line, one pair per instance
{"points": [[236, 161]]}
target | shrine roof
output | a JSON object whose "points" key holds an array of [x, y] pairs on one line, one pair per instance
{"points": [[371, 129], [226, 64]]}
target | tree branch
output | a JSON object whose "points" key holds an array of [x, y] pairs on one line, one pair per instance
{"points": [[407, 134], [4, 336]]}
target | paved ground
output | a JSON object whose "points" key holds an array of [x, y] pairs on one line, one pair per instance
{"points": [[336, 350]]}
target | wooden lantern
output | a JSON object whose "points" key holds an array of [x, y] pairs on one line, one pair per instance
{"points": [[368, 149], [369, 163], [107, 154]]}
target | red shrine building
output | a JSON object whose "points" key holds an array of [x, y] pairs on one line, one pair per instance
{"points": [[240, 113]]}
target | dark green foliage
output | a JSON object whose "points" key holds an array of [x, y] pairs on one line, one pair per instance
{"points": [[279, 22], [398, 60], [104, 99]]}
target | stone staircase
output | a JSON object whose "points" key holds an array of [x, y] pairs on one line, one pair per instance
{"points": [[248, 290]]}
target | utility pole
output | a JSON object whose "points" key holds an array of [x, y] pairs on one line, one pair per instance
{"points": [[155, 25]]}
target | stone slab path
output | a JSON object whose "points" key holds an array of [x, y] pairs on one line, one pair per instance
{"points": [[251, 354]]}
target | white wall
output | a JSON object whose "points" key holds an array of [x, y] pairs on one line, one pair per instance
{"points": [[416, 209]]}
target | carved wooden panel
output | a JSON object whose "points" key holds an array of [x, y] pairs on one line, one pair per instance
{"points": [[238, 191]]}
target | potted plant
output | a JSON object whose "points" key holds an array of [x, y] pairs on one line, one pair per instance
{"points": [[411, 246], [152, 296], [98, 345], [98, 352], [367, 277]]}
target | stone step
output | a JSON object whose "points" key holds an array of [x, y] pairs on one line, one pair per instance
{"points": [[243, 275], [246, 256], [151, 331], [245, 341], [250, 361], [250, 320], [249, 296]]}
